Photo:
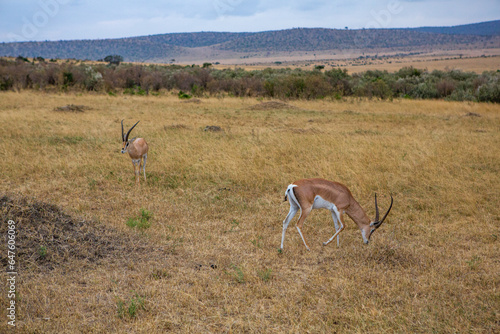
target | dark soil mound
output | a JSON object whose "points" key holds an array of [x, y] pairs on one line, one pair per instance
{"points": [[46, 237]]}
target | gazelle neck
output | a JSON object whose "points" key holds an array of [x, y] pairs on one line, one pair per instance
{"points": [[359, 216]]}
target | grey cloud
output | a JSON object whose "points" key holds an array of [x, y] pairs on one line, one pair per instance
{"points": [[101, 19]]}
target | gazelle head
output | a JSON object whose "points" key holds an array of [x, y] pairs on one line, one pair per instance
{"points": [[377, 222], [125, 137]]}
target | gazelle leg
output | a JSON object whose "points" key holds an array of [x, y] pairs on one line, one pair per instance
{"points": [[336, 222], [137, 167], [144, 165], [293, 210], [303, 216], [339, 217]]}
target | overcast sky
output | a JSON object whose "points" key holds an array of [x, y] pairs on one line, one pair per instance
{"points": [[39, 20]]}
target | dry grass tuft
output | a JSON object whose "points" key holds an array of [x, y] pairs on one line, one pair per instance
{"points": [[271, 105], [72, 108], [472, 114], [213, 128], [176, 127], [196, 101]]}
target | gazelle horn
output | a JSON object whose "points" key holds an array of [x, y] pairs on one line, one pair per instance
{"points": [[123, 137], [126, 137], [378, 222]]}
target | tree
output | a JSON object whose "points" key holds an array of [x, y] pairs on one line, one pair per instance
{"points": [[113, 59]]}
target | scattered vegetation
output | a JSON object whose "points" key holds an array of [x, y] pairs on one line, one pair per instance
{"points": [[288, 84]]}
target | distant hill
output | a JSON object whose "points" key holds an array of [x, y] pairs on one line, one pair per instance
{"points": [[193, 39], [306, 39], [490, 28], [201, 45]]}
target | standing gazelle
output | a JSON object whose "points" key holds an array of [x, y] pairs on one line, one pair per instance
{"points": [[137, 149], [308, 194]]}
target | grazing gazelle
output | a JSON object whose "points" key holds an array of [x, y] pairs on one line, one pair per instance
{"points": [[137, 149], [308, 194]]}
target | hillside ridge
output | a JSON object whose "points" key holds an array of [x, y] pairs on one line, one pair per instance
{"points": [[211, 45]]}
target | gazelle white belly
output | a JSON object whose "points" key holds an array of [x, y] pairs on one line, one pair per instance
{"points": [[321, 203]]}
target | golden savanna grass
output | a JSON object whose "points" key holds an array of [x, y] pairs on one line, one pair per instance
{"points": [[209, 262]]}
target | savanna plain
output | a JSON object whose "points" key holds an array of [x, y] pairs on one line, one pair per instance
{"points": [[195, 248]]}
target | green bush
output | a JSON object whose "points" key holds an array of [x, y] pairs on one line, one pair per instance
{"points": [[282, 83], [183, 95]]}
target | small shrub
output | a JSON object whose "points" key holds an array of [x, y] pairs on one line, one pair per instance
{"points": [[234, 224], [68, 79], [22, 59], [410, 71], [445, 87], [42, 252], [93, 79], [135, 90], [131, 307], [256, 242], [183, 95], [474, 262], [142, 221], [265, 275], [489, 92], [6, 82], [238, 274], [136, 303], [92, 184], [120, 306]]}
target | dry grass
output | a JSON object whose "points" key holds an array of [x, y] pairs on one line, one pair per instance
{"points": [[210, 261], [471, 60], [431, 63]]}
